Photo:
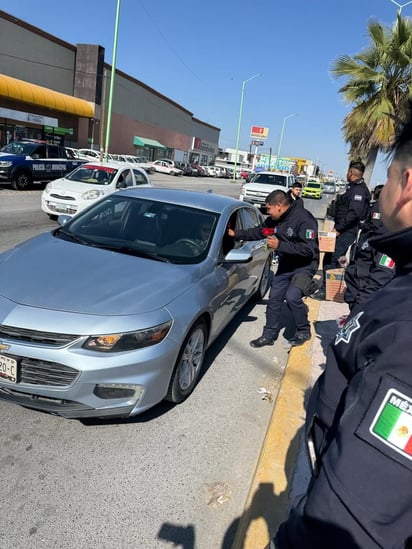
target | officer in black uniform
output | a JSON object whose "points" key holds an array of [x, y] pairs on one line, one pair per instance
{"points": [[368, 269], [360, 412], [295, 239], [350, 208], [295, 191]]}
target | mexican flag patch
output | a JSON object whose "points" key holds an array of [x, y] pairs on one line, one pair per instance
{"points": [[386, 261], [393, 422], [376, 215], [310, 234]]}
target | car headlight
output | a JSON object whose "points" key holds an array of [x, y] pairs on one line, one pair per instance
{"points": [[48, 187], [114, 343], [93, 194], [5, 164], [242, 191]]}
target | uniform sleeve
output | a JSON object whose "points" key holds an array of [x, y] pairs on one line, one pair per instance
{"points": [[255, 233], [306, 242], [358, 201], [361, 496], [381, 271]]}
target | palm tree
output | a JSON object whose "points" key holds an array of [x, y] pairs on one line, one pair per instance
{"points": [[379, 83]]}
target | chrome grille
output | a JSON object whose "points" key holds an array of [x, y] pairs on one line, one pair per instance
{"points": [[34, 336]]}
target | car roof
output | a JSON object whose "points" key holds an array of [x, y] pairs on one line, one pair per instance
{"points": [[196, 199], [109, 164], [271, 173]]}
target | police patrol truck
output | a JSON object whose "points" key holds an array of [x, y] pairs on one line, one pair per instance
{"points": [[23, 163]]}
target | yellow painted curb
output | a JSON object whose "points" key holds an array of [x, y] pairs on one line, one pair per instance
{"points": [[267, 502]]}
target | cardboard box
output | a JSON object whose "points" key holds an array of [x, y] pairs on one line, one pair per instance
{"points": [[327, 241], [335, 285]]}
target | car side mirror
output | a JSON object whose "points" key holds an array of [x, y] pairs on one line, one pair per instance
{"points": [[238, 255]]}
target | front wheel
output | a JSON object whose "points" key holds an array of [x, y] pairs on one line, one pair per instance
{"points": [[21, 181], [188, 364]]}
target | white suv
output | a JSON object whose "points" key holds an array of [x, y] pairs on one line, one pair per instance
{"points": [[263, 183]]}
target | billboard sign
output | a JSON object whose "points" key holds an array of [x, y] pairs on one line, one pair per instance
{"points": [[258, 131]]}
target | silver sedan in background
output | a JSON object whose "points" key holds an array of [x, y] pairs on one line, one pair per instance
{"points": [[113, 311]]}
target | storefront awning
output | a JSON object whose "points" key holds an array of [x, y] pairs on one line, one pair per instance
{"points": [[18, 90], [143, 142]]}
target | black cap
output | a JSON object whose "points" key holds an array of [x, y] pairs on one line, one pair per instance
{"points": [[357, 165]]}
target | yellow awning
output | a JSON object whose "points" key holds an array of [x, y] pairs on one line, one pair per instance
{"points": [[43, 97]]}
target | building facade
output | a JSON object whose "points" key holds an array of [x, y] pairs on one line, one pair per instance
{"points": [[56, 91]]}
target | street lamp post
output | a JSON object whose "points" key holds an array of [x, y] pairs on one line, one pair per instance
{"points": [[112, 76], [281, 137], [240, 119], [400, 6]]}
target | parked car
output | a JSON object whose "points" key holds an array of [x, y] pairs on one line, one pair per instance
{"points": [[261, 184], [113, 311], [312, 189], [329, 188], [198, 170], [88, 183], [144, 163], [185, 167], [163, 166]]}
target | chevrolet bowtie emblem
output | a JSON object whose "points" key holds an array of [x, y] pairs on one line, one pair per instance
{"points": [[4, 347]]}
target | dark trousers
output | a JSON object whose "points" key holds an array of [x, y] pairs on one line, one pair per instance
{"points": [[330, 259], [280, 290]]}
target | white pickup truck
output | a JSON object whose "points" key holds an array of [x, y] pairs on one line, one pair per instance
{"points": [[263, 183]]}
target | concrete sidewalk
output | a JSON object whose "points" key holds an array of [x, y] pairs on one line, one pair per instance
{"points": [[282, 471]]}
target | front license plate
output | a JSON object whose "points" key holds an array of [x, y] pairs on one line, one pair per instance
{"points": [[8, 368]]}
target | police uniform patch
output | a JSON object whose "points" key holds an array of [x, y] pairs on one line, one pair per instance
{"points": [[393, 422], [387, 423], [310, 234], [349, 328], [289, 231], [376, 215], [358, 197], [386, 261]]}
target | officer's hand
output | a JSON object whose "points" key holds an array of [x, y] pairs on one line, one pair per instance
{"points": [[230, 232], [272, 242]]}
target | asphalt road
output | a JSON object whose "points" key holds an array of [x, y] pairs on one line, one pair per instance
{"points": [[176, 476]]}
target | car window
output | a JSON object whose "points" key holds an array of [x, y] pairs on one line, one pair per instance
{"points": [[128, 178], [248, 218], [53, 151], [140, 178]]}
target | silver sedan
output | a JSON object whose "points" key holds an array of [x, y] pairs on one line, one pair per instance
{"points": [[113, 311]]}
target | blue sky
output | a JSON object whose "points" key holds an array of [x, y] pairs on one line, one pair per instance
{"points": [[198, 54]]}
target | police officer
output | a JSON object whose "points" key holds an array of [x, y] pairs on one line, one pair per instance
{"points": [[360, 414], [292, 232], [369, 269], [350, 208], [295, 191]]}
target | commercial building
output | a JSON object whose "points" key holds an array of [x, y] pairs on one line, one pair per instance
{"points": [[56, 91]]}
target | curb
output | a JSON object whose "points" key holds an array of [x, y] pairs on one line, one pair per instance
{"points": [[265, 509]]}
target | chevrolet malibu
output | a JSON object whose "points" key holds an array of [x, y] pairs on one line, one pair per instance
{"points": [[113, 311]]}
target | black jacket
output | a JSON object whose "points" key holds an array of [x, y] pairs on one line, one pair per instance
{"points": [[298, 199], [361, 496], [369, 269], [351, 207], [297, 231]]}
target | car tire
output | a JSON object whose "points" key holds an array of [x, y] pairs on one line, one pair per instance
{"points": [[265, 279], [21, 180], [189, 363]]}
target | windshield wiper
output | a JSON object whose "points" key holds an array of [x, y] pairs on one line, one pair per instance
{"points": [[70, 236], [131, 251]]}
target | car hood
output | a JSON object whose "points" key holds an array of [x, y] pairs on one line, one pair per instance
{"points": [[64, 185], [263, 187], [54, 274]]}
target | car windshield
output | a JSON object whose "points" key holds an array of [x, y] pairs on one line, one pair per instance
{"points": [[269, 179], [94, 175], [20, 148], [144, 228], [313, 185]]}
